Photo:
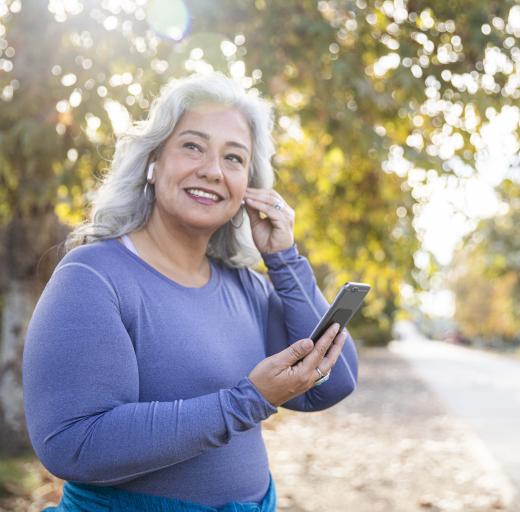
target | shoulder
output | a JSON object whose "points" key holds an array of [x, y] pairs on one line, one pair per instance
{"points": [[82, 279], [98, 261], [95, 253]]}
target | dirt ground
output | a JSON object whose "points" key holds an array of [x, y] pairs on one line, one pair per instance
{"points": [[389, 447]]}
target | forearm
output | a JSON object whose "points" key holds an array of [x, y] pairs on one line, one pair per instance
{"points": [[295, 306], [295, 285], [136, 438]]}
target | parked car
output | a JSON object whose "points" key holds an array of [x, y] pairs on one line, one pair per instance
{"points": [[457, 338]]}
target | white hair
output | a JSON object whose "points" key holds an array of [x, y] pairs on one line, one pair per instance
{"points": [[119, 205]]}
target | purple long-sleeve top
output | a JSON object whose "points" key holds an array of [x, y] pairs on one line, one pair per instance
{"points": [[134, 381]]}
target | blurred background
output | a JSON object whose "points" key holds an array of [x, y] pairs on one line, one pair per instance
{"points": [[397, 126]]}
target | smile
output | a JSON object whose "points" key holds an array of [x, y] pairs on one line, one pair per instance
{"points": [[205, 196]]}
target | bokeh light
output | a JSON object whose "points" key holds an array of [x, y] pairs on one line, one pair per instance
{"points": [[169, 19]]}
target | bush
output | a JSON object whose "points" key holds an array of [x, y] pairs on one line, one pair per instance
{"points": [[371, 335]]}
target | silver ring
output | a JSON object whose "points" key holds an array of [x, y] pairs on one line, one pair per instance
{"points": [[278, 205], [322, 379]]}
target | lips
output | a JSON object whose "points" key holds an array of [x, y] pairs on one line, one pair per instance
{"points": [[204, 193]]}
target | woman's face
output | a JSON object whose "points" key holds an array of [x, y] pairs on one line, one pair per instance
{"points": [[202, 173]]}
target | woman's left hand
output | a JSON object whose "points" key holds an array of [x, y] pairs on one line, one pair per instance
{"points": [[273, 231]]}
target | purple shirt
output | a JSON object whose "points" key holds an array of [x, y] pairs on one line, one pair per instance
{"points": [[134, 381]]}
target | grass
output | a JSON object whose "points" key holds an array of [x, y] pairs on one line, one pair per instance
{"points": [[19, 475], [511, 352], [25, 484]]}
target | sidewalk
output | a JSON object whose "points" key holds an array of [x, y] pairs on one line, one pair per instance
{"points": [[389, 447], [480, 388]]}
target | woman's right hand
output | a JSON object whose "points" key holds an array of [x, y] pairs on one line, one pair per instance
{"points": [[292, 371]]}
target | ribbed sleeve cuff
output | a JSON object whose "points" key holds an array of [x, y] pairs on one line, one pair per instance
{"points": [[276, 260], [243, 407]]}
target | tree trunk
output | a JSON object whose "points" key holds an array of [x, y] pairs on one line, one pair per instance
{"points": [[19, 302], [25, 265]]}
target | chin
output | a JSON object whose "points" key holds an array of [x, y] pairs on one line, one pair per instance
{"points": [[204, 226]]}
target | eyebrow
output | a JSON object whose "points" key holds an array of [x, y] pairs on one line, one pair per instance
{"points": [[207, 137]]}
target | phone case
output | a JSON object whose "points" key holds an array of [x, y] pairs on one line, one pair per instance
{"points": [[347, 302]]}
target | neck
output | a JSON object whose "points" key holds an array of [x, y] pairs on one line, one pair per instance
{"points": [[182, 248]]}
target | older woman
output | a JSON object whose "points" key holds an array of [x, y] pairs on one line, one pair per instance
{"points": [[155, 352]]}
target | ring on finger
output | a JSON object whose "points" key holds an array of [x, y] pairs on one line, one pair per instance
{"points": [[323, 378], [278, 205]]}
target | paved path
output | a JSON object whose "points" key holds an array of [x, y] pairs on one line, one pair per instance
{"points": [[480, 388]]}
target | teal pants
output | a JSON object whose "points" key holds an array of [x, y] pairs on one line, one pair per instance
{"points": [[90, 498]]}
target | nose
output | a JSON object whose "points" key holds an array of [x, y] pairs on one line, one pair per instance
{"points": [[210, 169]]}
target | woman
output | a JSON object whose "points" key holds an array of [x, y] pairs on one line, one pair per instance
{"points": [[155, 352]]}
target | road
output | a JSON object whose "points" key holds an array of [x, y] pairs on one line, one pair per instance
{"points": [[480, 388]]}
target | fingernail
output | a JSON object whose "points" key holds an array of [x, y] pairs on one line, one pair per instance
{"points": [[307, 344]]}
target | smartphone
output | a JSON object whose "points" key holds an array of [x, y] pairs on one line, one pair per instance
{"points": [[347, 302]]}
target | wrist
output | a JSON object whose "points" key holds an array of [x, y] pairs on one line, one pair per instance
{"points": [[281, 257]]}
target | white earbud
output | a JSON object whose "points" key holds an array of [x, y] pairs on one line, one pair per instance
{"points": [[151, 167]]}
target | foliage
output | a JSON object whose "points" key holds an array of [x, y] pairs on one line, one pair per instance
{"points": [[361, 89], [485, 307], [486, 275], [14, 475], [499, 235]]}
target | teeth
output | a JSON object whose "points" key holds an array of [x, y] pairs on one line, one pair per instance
{"points": [[202, 193]]}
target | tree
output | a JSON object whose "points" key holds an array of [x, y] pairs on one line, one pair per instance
{"points": [[367, 87], [67, 67], [500, 238], [485, 306], [486, 274]]}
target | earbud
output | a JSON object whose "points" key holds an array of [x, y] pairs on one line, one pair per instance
{"points": [[242, 202], [151, 167]]}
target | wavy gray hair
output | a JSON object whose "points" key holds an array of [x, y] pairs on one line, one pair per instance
{"points": [[119, 205]]}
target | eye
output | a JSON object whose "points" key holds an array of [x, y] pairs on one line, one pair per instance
{"points": [[235, 158], [192, 145]]}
